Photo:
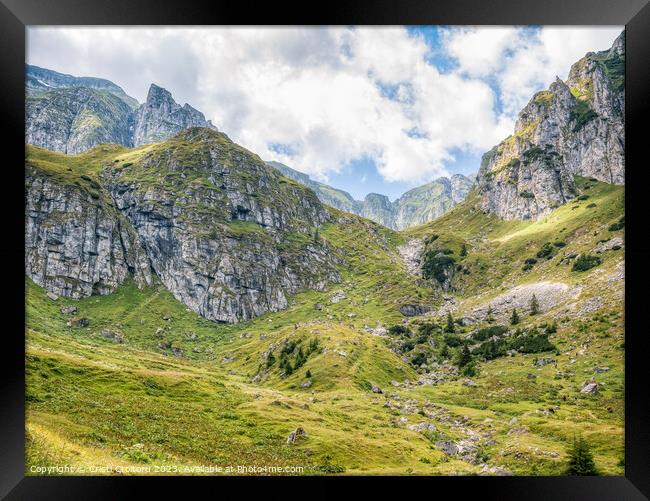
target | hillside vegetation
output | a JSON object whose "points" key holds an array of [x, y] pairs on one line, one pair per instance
{"points": [[134, 378]]}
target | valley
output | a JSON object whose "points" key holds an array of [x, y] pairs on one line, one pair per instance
{"points": [[190, 305]]}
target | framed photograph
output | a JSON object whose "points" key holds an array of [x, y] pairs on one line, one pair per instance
{"points": [[388, 242]]}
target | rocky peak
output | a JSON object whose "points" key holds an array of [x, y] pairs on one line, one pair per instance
{"points": [[161, 117], [572, 128], [158, 97]]}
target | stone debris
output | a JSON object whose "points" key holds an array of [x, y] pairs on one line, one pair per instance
{"points": [[298, 434], [411, 253], [590, 388], [112, 336]]}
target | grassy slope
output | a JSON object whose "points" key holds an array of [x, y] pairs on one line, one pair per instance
{"points": [[93, 401]]}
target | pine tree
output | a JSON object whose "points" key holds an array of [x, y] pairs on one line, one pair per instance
{"points": [[465, 357], [534, 305], [581, 460], [308, 374], [463, 250], [450, 323], [514, 319], [270, 360], [316, 234]]}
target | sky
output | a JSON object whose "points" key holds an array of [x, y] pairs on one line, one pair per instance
{"points": [[365, 109]]}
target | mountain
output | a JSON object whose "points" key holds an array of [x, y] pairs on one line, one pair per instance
{"points": [[414, 207], [187, 304], [73, 120], [73, 114], [574, 128], [333, 197], [430, 201], [39, 80], [160, 117], [226, 234]]}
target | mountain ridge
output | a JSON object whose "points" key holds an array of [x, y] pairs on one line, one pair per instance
{"points": [[73, 114], [415, 206]]}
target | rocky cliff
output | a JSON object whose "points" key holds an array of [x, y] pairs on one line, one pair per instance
{"points": [[160, 117], [72, 120], [39, 80], [416, 206], [73, 114], [573, 128], [430, 201], [227, 235]]}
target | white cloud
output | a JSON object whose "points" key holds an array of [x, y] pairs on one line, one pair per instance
{"points": [[520, 61], [332, 95]]}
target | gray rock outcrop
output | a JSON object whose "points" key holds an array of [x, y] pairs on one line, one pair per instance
{"points": [[573, 128], [219, 237]]}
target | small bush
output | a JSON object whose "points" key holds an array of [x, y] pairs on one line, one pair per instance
{"points": [[488, 332], [559, 244], [585, 262], [526, 194], [583, 197], [452, 340], [532, 343], [489, 350], [546, 252], [398, 330], [619, 225], [436, 265]]}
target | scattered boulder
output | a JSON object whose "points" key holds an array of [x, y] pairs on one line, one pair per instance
{"points": [[447, 447], [611, 244], [297, 434], [590, 388], [422, 427], [177, 351], [413, 310], [227, 359], [69, 310], [531, 376], [318, 306], [78, 322], [52, 296], [190, 335], [541, 362], [337, 297], [376, 389], [112, 336], [600, 370], [306, 384], [159, 332]]}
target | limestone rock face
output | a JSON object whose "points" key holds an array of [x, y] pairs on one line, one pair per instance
{"points": [[160, 117], [225, 234], [377, 208], [75, 245], [39, 80], [74, 114], [430, 201], [72, 120], [573, 128]]}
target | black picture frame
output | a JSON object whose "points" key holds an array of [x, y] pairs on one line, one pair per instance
{"points": [[15, 15]]}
